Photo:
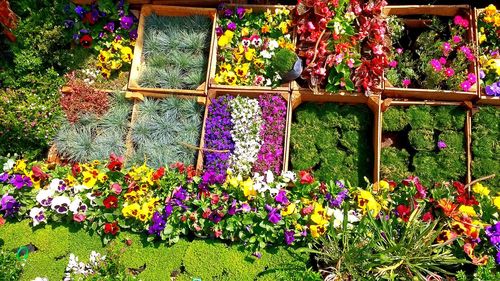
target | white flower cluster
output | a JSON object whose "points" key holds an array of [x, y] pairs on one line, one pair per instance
{"points": [[268, 182], [91, 75], [80, 268], [247, 120]]}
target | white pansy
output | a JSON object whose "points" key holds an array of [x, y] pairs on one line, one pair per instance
{"points": [[60, 204], [273, 44], [91, 197], [45, 196], [269, 177], [266, 54], [54, 185], [38, 215], [289, 176], [79, 188], [7, 166], [77, 206], [338, 217]]}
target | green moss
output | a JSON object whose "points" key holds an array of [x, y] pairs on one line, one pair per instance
{"points": [[283, 61], [305, 157], [394, 119], [487, 118], [355, 117], [307, 114], [327, 138], [450, 117], [394, 164], [421, 117], [331, 115], [422, 139], [352, 140], [452, 166], [485, 146], [455, 142], [485, 167], [426, 167], [301, 136]]}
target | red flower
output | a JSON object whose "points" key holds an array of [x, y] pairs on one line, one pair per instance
{"points": [[306, 177], [111, 228], [111, 202], [158, 174], [180, 167], [307, 210], [86, 41], [403, 212], [427, 217], [115, 163], [88, 18], [215, 199], [75, 169], [218, 233], [38, 174], [191, 172], [206, 213]]}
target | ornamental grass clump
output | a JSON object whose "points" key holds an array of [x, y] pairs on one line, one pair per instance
{"points": [[439, 57], [332, 140], [486, 144], [428, 143], [90, 136], [175, 52], [167, 131]]}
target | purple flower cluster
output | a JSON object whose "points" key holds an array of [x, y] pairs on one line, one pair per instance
{"points": [[336, 202], [273, 214], [493, 234], [17, 180], [159, 221], [9, 206], [218, 135], [272, 133], [493, 89]]}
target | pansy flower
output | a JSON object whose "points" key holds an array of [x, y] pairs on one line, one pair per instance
{"points": [[60, 204], [38, 215]]}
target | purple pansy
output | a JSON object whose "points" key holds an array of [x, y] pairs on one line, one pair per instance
{"points": [[20, 181], [240, 11], [80, 11], [281, 197], [289, 236], [110, 26], [228, 12], [133, 34], [126, 22], [4, 177], [9, 205], [231, 26], [273, 214]]}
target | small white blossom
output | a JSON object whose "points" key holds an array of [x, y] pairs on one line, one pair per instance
{"points": [[7, 166]]}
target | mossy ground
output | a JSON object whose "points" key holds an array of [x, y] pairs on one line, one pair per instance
{"points": [[204, 259]]}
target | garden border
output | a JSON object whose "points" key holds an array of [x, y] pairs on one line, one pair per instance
{"points": [[386, 103], [213, 57], [428, 94], [137, 62], [373, 102]]}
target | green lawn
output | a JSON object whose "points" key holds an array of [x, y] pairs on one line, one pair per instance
{"points": [[203, 259]]}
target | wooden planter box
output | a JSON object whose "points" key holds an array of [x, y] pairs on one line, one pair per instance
{"points": [[215, 93], [430, 94], [483, 98], [467, 127], [373, 102], [188, 3], [138, 64], [88, 2], [138, 97], [213, 59]]}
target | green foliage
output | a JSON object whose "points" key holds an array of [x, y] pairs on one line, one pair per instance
{"points": [[283, 61], [175, 51], [455, 142], [394, 164], [395, 119], [166, 131], [488, 272], [93, 137], [449, 117], [334, 140], [421, 117], [10, 267], [486, 144], [422, 139]]}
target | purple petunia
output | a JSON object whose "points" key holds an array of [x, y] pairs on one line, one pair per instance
{"points": [[228, 12], [289, 236], [158, 224], [493, 89], [493, 234]]}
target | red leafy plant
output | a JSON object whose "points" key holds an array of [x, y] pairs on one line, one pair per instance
{"points": [[82, 99]]}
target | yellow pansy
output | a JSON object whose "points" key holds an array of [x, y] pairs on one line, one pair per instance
{"points": [[488, 19], [490, 10], [116, 64], [104, 56], [282, 42], [106, 73], [248, 189], [480, 189], [242, 70], [317, 230], [36, 183], [238, 53], [288, 210], [230, 78], [298, 227], [131, 211], [381, 186], [20, 167], [259, 63], [482, 38], [127, 54], [219, 78], [225, 67], [143, 215], [496, 202], [290, 46], [131, 196], [265, 29], [249, 54], [367, 202], [90, 178], [467, 210], [117, 45], [245, 31], [497, 20], [283, 26], [70, 180], [225, 38]]}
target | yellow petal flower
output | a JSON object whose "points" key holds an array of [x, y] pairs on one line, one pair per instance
{"points": [[249, 54], [20, 167], [467, 210], [317, 230], [288, 210], [496, 202], [245, 31], [490, 10], [230, 78], [131, 211], [480, 189]]}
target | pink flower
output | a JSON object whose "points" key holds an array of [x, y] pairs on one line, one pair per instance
{"points": [[378, 49], [446, 48], [449, 72], [320, 71], [339, 58], [218, 233], [399, 51], [436, 65], [457, 39], [441, 144], [310, 26], [79, 217], [465, 50], [116, 188], [442, 60], [472, 78], [350, 63], [466, 85], [406, 82], [393, 64], [458, 20]]}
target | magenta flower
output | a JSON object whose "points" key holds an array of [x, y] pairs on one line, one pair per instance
{"points": [[441, 144], [126, 22], [436, 65], [459, 20], [20, 181], [273, 216], [466, 85], [472, 78], [446, 48], [289, 236], [442, 60], [406, 82], [449, 72], [393, 64], [219, 31], [231, 26], [281, 197], [399, 51], [457, 39]]}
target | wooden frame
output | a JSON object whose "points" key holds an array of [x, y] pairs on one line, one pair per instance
{"points": [[429, 94], [214, 93], [467, 127], [483, 98], [243, 89], [137, 62], [138, 97], [373, 102]]}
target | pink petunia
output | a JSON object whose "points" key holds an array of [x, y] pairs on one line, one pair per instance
{"points": [[466, 85], [449, 72], [436, 65], [472, 78]]}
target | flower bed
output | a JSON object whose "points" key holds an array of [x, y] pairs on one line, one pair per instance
{"points": [[429, 141], [173, 49], [432, 53], [245, 133], [166, 131], [248, 41], [342, 45], [333, 139], [486, 144], [487, 28]]}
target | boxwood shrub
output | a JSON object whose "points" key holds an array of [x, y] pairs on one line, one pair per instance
{"points": [[486, 144]]}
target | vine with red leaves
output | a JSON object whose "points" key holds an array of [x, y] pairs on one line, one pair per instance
{"points": [[8, 20]]}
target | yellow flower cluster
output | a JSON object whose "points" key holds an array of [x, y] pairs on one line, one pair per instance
{"points": [[491, 15], [320, 219], [368, 203], [114, 56], [245, 185], [480, 189], [140, 202], [490, 65]]}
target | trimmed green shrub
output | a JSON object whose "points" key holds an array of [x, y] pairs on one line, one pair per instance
{"points": [[482, 167], [451, 166], [394, 164], [455, 142], [422, 139], [305, 157], [283, 61], [450, 117], [485, 146], [426, 166], [10, 267], [421, 117], [328, 138], [394, 119]]}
